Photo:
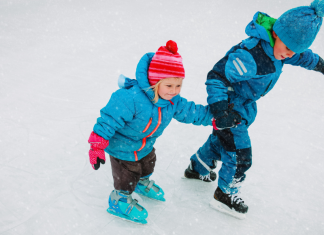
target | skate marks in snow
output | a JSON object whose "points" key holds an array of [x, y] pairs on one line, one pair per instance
{"points": [[15, 144], [189, 189]]}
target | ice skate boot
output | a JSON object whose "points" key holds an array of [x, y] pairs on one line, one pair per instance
{"points": [[191, 174], [124, 206], [149, 189], [230, 204]]}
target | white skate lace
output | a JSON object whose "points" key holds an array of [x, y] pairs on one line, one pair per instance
{"points": [[205, 177], [235, 198]]}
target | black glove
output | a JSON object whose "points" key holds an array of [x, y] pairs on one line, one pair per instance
{"points": [[224, 115], [320, 66]]}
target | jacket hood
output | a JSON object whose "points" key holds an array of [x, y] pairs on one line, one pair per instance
{"points": [[261, 27], [142, 80]]}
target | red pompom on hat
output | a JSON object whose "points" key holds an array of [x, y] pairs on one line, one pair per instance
{"points": [[166, 63], [172, 46]]}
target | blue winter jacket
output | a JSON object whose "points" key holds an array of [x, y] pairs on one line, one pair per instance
{"points": [[131, 122], [248, 72]]}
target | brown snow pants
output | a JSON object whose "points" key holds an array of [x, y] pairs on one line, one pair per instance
{"points": [[126, 174]]}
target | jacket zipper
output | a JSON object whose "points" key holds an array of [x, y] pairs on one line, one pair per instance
{"points": [[147, 126]]}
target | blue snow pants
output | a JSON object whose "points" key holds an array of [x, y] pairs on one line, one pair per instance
{"points": [[232, 147]]}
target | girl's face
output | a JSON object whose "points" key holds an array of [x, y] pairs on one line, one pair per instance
{"points": [[280, 50], [169, 88]]}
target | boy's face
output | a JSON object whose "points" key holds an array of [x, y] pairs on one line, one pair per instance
{"points": [[169, 87], [280, 50]]}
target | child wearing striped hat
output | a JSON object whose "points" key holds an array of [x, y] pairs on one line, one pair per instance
{"points": [[248, 72], [135, 116]]}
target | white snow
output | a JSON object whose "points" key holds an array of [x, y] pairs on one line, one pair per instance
{"points": [[59, 64]]}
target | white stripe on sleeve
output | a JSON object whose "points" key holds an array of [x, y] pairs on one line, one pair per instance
{"points": [[242, 65], [237, 67]]}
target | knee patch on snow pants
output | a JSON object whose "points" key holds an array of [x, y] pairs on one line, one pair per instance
{"points": [[243, 162]]}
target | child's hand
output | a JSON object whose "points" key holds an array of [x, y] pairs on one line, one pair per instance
{"points": [[227, 118], [96, 152]]}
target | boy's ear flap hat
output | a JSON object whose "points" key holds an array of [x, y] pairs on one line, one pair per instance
{"points": [[166, 63], [298, 27]]}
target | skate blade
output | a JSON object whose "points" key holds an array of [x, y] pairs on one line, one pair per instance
{"points": [[124, 217], [194, 179], [155, 199], [225, 209]]}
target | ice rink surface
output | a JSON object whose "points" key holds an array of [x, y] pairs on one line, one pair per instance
{"points": [[59, 64]]}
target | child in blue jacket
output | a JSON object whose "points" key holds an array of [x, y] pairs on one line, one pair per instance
{"points": [[248, 72], [134, 117]]}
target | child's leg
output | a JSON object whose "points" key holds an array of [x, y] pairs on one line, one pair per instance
{"points": [[231, 175], [126, 174], [235, 162], [146, 186], [235, 150], [204, 160], [148, 164], [232, 172], [236, 155]]}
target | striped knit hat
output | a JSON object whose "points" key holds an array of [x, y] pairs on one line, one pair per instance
{"points": [[166, 63]]}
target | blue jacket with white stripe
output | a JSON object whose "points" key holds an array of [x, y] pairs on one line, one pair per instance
{"points": [[132, 122], [249, 71]]}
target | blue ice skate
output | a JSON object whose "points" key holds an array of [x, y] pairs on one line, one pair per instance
{"points": [[149, 189], [125, 207]]}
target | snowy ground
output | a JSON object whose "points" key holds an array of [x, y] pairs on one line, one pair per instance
{"points": [[59, 64]]}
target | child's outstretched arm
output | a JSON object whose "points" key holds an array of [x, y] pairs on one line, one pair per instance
{"points": [[189, 112], [307, 60], [117, 112]]}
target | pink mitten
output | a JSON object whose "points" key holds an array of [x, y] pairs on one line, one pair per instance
{"points": [[96, 152]]}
